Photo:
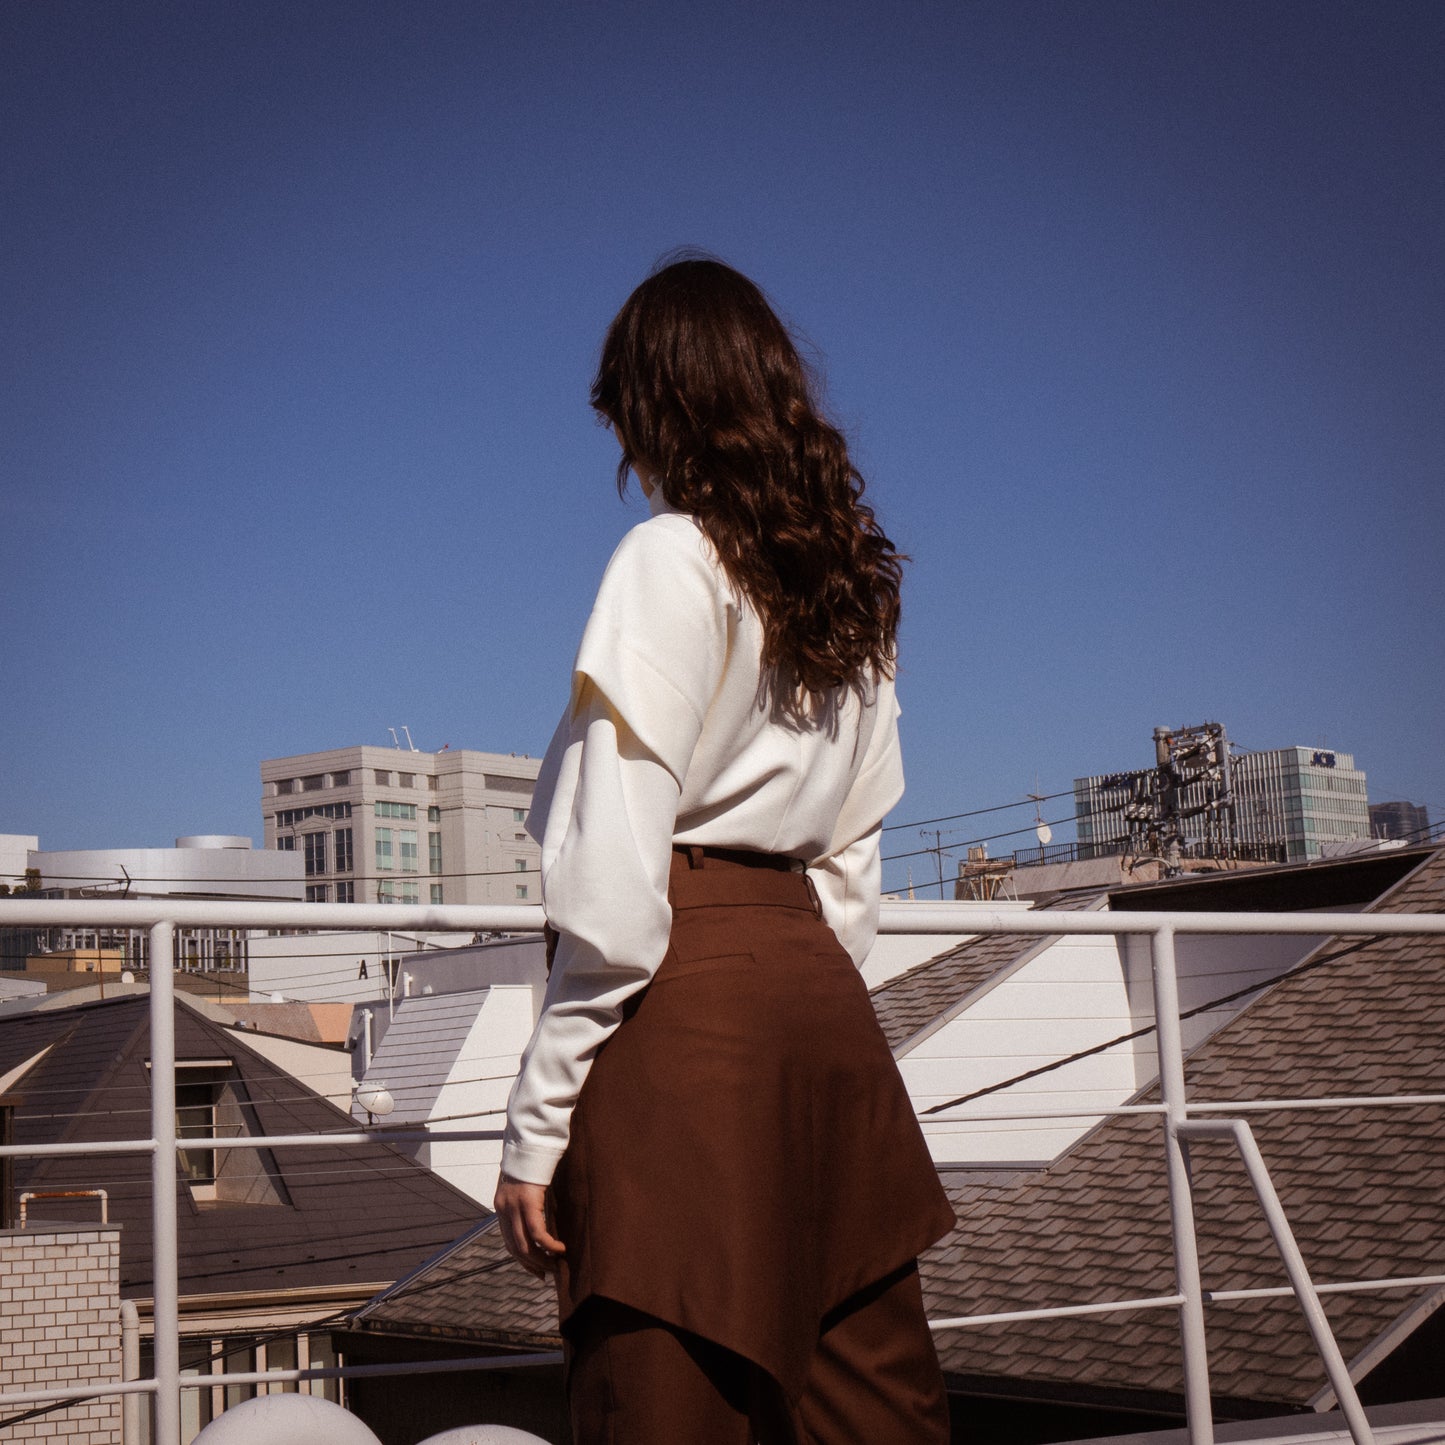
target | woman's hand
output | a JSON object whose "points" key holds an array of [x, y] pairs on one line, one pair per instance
{"points": [[522, 1211]]}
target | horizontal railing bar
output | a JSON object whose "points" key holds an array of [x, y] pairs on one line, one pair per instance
{"points": [[1222, 1296], [51, 1151], [79, 1392], [253, 1141], [902, 918], [370, 1136], [1103, 1111], [1349, 1101], [951, 918], [1156, 1302], [1354, 1286], [272, 913], [355, 1372]]}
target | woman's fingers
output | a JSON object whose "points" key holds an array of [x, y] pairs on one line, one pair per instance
{"points": [[522, 1213]]}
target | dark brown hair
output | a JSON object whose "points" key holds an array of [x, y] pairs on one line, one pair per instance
{"points": [[710, 400]]}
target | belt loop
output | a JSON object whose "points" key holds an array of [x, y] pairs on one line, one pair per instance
{"points": [[694, 855], [813, 893]]}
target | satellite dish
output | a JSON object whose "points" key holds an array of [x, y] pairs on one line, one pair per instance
{"points": [[1045, 834], [375, 1098]]}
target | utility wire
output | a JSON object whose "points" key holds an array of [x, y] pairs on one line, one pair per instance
{"points": [[976, 812]]}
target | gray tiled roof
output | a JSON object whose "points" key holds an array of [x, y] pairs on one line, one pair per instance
{"points": [[1364, 1191], [353, 1215], [469, 1291]]}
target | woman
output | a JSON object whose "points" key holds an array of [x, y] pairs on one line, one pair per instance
{"points": [[738, 1187]]}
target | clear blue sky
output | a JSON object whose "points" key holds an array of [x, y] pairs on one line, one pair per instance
{"points": [[1133, 312]]}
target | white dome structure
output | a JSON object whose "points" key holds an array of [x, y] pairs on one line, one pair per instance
{"points": [[483, 1435], [288, 1420]]}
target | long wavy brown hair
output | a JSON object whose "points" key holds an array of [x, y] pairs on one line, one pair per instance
{"points": [[709, 398]]}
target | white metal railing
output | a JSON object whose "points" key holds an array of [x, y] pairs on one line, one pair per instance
{"points": [[162, 916]]}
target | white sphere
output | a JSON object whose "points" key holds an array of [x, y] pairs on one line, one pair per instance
{"points": [[286, 1420], [483, 1435]]}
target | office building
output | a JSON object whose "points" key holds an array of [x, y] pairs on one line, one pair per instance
{"points": [[1284, 805], [1410, 821], [392, 825]]}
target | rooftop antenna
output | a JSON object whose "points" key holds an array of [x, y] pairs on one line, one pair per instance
{"points": [[395, 741], [411, 746], [1042, 831]]}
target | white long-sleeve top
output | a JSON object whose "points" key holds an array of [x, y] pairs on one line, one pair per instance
{"points": [[669, 737]]}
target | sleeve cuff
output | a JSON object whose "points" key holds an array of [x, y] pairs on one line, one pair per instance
{"points": [[530, 1163]]}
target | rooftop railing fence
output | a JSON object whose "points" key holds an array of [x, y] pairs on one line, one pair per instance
{"points": [[1181, 1122]]}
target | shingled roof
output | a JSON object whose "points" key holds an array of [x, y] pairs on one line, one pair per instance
{"points": [[932, 992], [1364, 1191], [471, 1291], [352, 1216]]}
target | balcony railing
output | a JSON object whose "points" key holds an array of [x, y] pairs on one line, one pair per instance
{"points": [[1181, 1120]]}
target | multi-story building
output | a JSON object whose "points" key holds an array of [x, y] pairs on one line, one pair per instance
{"points": [[1410, 821], [1286, 803], [390, 825]]}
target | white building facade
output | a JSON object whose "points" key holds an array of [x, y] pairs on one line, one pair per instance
{"points": [[388, 825]]}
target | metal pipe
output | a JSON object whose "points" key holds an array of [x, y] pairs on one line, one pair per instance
{"points": [[1294, 1265], [100, 1194], [164, 1249], [1198, 1408], [130, 1419], [919, 918], [1059, 1312]]}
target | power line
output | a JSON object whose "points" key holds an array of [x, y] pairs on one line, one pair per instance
{"points": [[988, 838], [976, 812]]}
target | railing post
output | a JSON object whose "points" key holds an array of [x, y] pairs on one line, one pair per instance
{"points": [[1197, 1404], [165, 1273]]}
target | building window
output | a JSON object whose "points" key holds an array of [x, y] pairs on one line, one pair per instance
{"points": [[395, 810], [283, 785], [383, 849], [341, 780], [316, 893], [431, 784], [519, 865], [383, 778], [436, 893], [292, 816], [407, 838], [410, 891], [521, 890], [519, 815], [433, 814], [315, 848], [406, 780], [286, 844], [386, 890], [313, 783], [343, 850], [198, 1087], [346, 892], [433, 852]]}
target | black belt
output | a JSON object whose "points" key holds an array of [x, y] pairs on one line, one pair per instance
{"points": [[697, 857]]}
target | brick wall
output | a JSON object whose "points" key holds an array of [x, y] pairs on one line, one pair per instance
{"points": [[60, 1325]]}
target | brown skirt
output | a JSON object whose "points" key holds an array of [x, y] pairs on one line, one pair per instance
{"points": [[744, 1156]]}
